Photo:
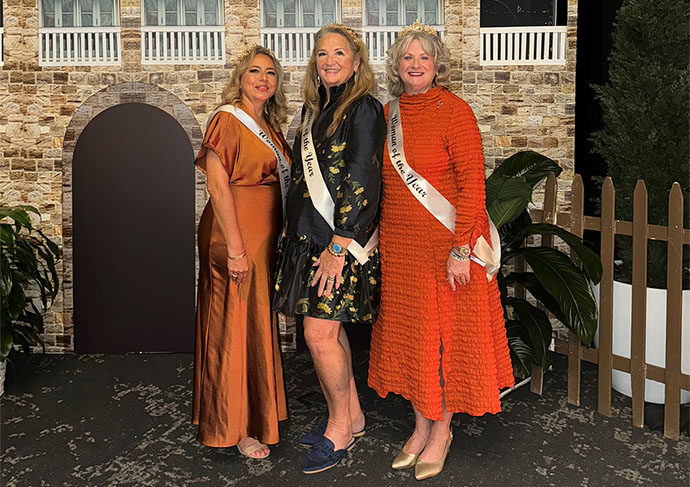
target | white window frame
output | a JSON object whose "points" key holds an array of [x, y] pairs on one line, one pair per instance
{"points": [[554, 20], [77, 14], [280, 15], [524, 44], [181, 14], [401, 13]]}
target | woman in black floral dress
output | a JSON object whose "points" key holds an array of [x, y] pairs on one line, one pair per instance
{"points": [[328, 263]]}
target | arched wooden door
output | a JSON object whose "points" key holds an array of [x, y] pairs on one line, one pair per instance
{"points": [[133, 226]]}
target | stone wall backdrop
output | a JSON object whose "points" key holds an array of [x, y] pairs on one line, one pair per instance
{"points": [[43, 109], [521, 107]]}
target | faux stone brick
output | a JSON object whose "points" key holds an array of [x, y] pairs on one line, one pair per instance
{"points": [[501, 76], [517, 108], [501, 142], [551, 78], [518, 142], [550, 142]]}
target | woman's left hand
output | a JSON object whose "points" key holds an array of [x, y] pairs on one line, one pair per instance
{"points": [[329, 272], [457, 271]]}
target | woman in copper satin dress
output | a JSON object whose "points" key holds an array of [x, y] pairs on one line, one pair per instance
{"points": [[239, 394]]}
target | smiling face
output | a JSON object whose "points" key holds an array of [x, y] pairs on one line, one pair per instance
{"points": [[335, 61], [416, 69], [259, 81]]}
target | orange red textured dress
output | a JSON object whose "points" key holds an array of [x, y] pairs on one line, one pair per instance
{"points": [[238, 376], [419, 312]]}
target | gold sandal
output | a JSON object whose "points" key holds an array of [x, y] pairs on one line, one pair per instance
{"points": [[254, 447]]}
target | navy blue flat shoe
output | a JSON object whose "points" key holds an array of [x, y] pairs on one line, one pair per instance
{"points": [[310, 438], [323, 456]]}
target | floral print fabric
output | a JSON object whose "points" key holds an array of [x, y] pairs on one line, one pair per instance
{"points": [[350, 163]]}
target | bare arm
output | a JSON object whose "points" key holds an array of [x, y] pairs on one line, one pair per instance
{"points": [[224, 209]]}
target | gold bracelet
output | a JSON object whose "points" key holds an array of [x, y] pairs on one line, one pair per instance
{"points": [[336, 252], [244, 252], [460, 253]]}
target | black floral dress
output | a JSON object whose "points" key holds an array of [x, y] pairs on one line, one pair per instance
{"points": [[350, 162]]}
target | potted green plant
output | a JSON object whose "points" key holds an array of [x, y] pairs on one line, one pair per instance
{"points": [[27, 266], [646, 135], [554, 280]]}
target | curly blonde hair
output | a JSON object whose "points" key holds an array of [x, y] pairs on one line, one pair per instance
{"points": [[432, 45], [364, 81], [277, 106]]}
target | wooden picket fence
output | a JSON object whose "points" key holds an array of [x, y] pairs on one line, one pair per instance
{"points": [[640, 231]]}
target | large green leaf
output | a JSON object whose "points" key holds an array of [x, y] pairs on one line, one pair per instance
{"points": [[537, 325], [27, 262], [521, 354], [6, 278], [530, 282], [7, 236], [16, 301], [19, 215], [568, 284], [20, 338], [506, 198], [591, 264], [5, 340], [33, 318], [509, 230], [530, 165], [51, 245]]}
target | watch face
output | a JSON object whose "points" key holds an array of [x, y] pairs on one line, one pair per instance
{"points": [[337, 248]]}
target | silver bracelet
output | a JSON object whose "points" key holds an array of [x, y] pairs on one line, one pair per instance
{"points": [[457, 256]]}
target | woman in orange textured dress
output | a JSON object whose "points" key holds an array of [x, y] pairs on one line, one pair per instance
{"points": [[239, 394], [440, 340]]}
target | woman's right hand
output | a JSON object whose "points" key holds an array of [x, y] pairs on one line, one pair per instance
{"points": [[238, 269]]}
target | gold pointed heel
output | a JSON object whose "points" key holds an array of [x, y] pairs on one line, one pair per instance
{"points": [[425, 470], [404, 460]]}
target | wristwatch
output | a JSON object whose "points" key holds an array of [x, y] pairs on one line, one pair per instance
{"points": [[460, 253], [337, 250]]}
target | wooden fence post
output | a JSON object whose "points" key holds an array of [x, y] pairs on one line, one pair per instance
{"points": [[574, 356], [674, 313], [605, 353], [638, 335]]}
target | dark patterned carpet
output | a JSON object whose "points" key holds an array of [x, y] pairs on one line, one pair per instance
{"points": [[124, 420]]}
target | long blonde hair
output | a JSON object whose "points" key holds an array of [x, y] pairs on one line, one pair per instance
{"points": [[276, 107], [432, 45], [362, 85]]}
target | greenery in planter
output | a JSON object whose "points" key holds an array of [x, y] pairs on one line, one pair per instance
{"points": [[646, 128], [554, 280], [27, 261]]}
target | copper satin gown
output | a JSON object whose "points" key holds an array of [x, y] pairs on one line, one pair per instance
{"points": [[238, 376]]}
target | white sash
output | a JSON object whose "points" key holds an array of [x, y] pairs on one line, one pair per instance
{"points": [[250, 123], [318, 191], [431, 199]]}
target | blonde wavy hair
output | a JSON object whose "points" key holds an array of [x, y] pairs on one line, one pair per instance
{"points": [[432, 45], [362, 85], [277, 106]]}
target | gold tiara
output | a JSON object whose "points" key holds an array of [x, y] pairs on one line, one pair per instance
{"points": [[350, 33], [248, 51], [418, 27]]}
